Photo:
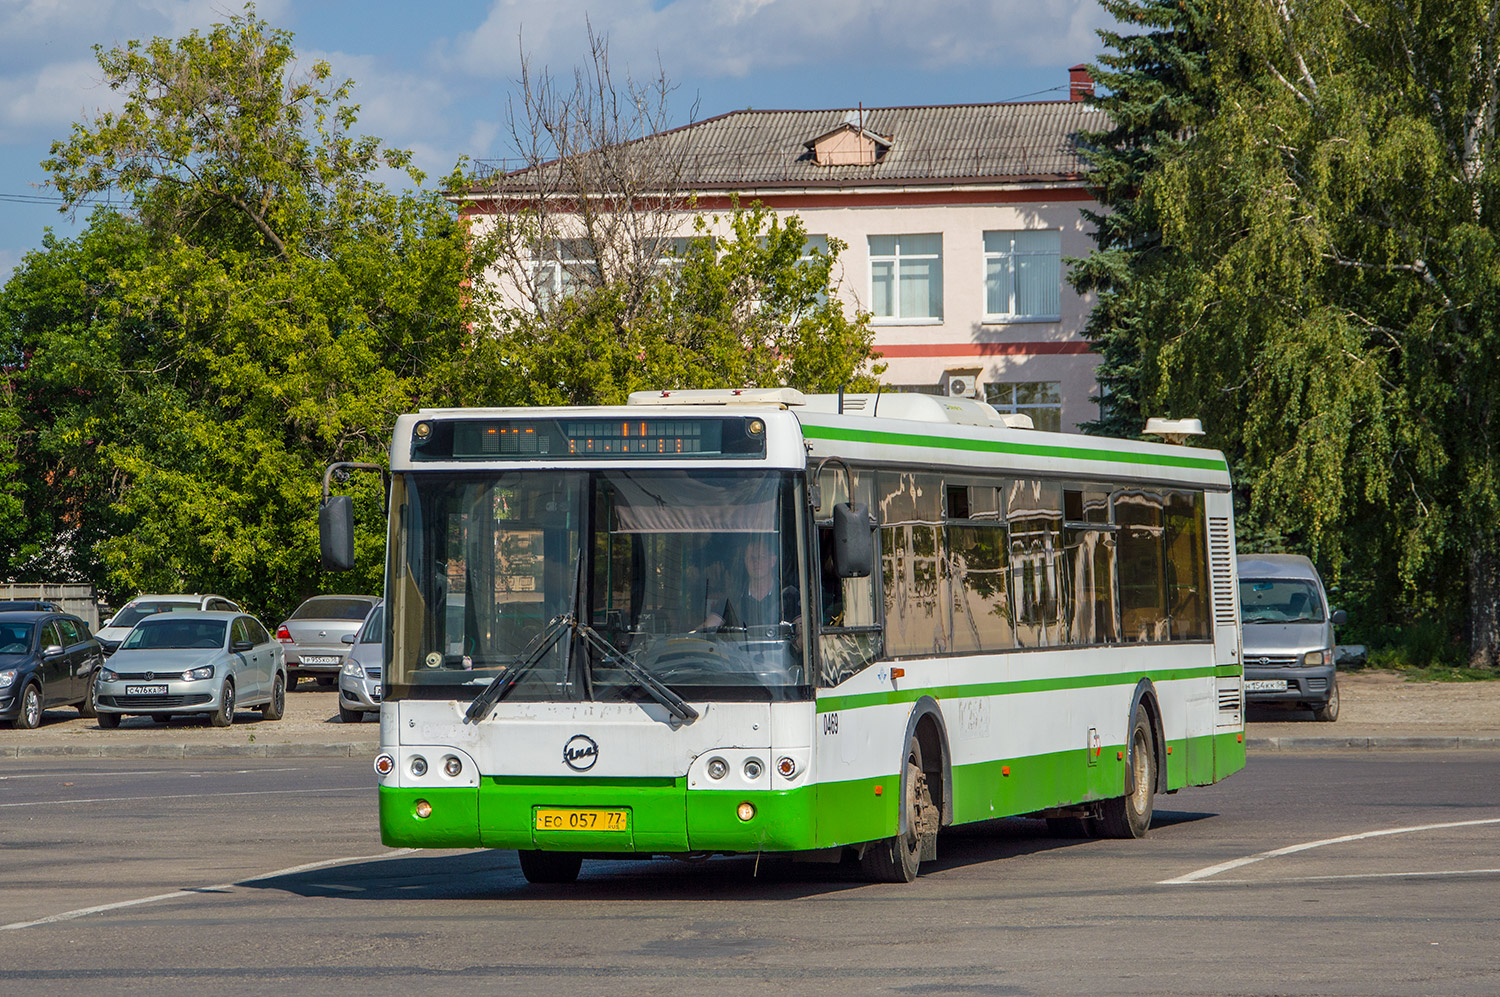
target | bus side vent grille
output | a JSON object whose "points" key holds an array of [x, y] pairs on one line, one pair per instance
{"points": [[1221, 565], [1229, 702]]}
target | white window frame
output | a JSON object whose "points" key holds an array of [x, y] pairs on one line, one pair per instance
{"points": [[896, 318], [552, 275], [991, 388], [1011, 256]]}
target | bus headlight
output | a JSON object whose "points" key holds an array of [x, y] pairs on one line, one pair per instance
{"points": [[418, 766], [746, 812], [452, 766], [753, 768], [718, 768]]}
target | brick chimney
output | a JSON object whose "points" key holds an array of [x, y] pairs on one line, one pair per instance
{"points": [[1080, 83]]}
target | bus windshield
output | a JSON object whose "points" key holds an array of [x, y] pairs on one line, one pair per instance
{"points": [[692, 576]]}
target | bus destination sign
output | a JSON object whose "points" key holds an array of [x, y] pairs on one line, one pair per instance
{"points": [[571, 439]]}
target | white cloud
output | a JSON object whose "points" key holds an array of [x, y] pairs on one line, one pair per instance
{"points": [[735, 38], [46, 47]]}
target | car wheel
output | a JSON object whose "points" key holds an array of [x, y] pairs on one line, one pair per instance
{"points": [[1129, 816], [30, 717], [1328, 712], [88, 708], [550, 867], [896, 859], [349, 716], [224, 715], [277, 706], [109, 721]]}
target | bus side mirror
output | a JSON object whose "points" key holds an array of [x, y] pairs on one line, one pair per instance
{"points": [[336, 533], [853, 540]]}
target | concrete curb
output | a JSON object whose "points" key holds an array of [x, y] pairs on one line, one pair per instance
{"points": [[364, 749], [336, 749], [1372, 743]]}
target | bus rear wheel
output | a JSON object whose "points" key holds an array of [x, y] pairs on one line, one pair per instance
{"points": [[1129, 816], [550, 867], [896, 859]]}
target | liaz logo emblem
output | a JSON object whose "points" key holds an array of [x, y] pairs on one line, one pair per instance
{"points": [[580, 753]]}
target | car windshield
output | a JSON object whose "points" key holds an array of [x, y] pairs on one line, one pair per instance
{"points": [[163, 633], [15, 638], [371, 634], [138, 611], [332, 608], [691, 576], [1279, 600]]}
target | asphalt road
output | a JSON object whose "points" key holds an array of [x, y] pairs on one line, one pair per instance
{"points": [[1344, 873]]}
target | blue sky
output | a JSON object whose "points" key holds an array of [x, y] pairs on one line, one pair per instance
{"points": [[436, 76]]}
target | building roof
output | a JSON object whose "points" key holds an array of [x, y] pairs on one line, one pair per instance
{"points": [[1008, 143]]}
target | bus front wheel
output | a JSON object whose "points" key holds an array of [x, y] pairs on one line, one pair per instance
{"points": [[550, 867], [1129, 816], [895, 859]]}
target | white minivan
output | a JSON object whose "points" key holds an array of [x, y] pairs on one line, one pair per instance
{"points": [[1288, 633]]}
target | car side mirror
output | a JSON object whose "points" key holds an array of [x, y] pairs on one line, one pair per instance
{"points": [[336, 533], [347, 639], [52, 652], [853, 540], [1339, 617], [242, 645]]}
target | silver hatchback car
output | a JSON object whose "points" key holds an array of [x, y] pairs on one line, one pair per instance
{"points": [[198, 662], [359, 681], [313, 635]]}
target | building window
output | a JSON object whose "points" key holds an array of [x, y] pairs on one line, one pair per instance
{"points": [[906, 276], [571, 266], [1022, 275], [1042, 400]]}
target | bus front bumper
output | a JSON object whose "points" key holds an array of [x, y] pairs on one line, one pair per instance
{"points": [[660, 816]]}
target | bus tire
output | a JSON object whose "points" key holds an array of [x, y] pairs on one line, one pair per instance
{"points": [[896, 859], [549, 867], [1129, 816]]}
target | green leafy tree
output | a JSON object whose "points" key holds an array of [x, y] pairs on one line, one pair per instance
{"points": [[750, 308], [1339, 325], [1156, 93], [184, 371]]}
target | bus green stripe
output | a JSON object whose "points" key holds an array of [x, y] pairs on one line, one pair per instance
{"points": [[830, 704], [816, 432]]}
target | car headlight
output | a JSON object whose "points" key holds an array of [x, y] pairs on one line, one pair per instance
{"points": [[354, 669], [197, 674], [1315, 658], [108, 676], [7, 678]]}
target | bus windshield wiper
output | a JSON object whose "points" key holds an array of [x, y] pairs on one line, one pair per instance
{"points": [[657, 689], [507, 679]]}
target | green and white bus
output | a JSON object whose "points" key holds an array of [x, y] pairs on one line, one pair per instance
{"points": [[757, 621]]}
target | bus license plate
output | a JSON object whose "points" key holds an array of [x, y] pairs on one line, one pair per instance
{"points": [[581, 820], [1265, 685], [145, 690]]}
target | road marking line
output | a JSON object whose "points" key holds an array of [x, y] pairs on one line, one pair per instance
{"points": [[71, 774], [184, 796], [1214, 870], [306, 867], [1355, 875]]}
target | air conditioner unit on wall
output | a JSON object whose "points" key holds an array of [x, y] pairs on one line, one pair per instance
{"points": [[961, 383]]}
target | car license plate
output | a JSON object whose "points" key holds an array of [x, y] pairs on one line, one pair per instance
{"points": [[582, 820], [145, 690], [1265, 685], [320, 659]]}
